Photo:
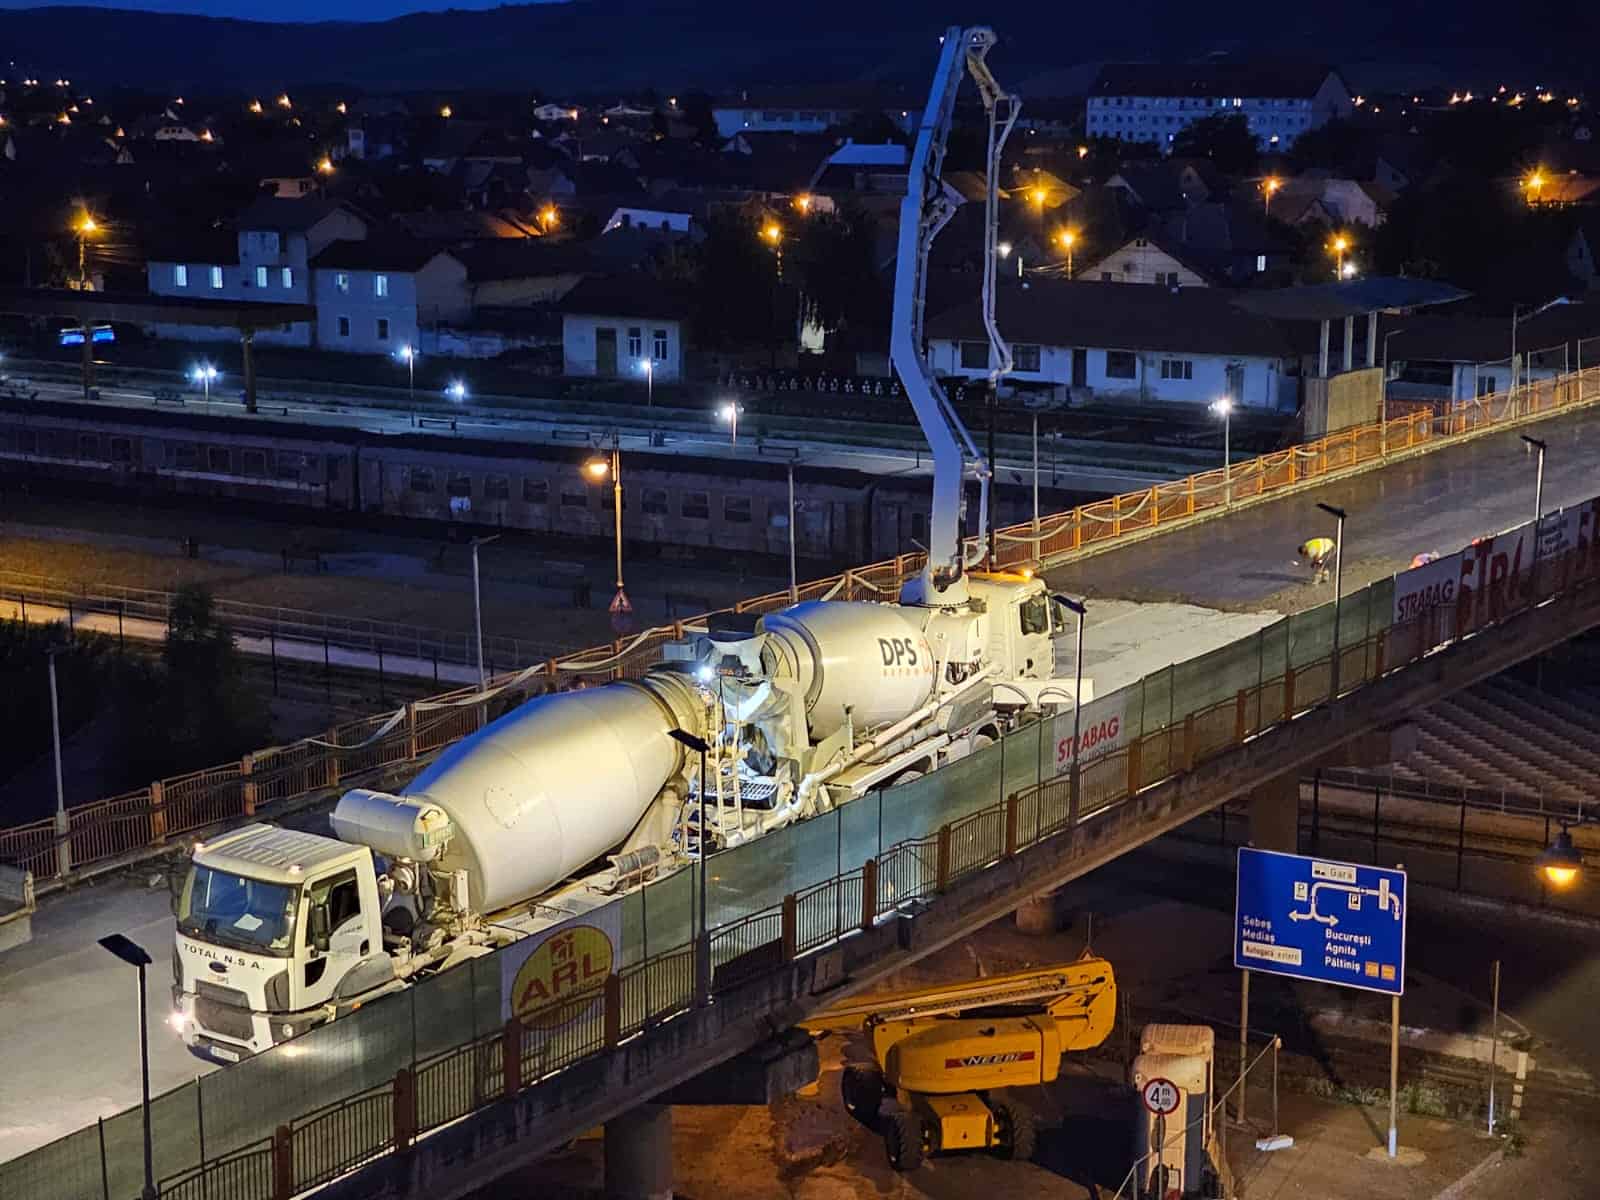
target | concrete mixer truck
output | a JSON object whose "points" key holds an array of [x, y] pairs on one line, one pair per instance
{"points": [[579, 796]]}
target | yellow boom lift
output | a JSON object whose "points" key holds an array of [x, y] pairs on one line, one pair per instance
{"points": [[948, 1056]]}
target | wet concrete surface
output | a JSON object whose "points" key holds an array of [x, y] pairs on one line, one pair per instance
{"points": [[1438, 501]]}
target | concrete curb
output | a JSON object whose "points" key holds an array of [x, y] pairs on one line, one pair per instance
{"points": [[1459, 1188]]}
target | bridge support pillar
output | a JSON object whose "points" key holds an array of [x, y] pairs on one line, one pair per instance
{"points": [[639, 1154], [1275, 814]]}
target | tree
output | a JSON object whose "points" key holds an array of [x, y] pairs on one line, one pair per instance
{"points": [[834, 268], [197, 707], [737, 292], [1336, 146], [1225, 140]]}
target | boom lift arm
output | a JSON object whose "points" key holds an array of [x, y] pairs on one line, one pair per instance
{"points": [[928, 206]]}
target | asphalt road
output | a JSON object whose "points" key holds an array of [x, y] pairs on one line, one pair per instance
{"points": [[1434, 502]]}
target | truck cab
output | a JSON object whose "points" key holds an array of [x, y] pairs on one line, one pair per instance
{"points": [[275, 928]]}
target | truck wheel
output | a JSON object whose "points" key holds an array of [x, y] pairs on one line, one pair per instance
{"points": [[902, 1138], [1015, 1130], [862, 1089]]}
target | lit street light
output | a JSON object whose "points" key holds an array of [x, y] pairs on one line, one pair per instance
{"points": [[204, 374], [408, 355], [1338, 514], [1339, 245], [456, 390], [86, 228], [772, 234], [597, 468], [648, 366], [1223, 407], [135, 955], [549, 218], [1561, 862], [729, 412], [1269, 186], [1068, 238]]}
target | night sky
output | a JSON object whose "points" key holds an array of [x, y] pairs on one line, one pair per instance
{"points": [[277, 10]]}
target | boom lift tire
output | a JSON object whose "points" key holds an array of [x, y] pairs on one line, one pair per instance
{"points": [[902, 1138], [863, 1091], [1016, 1133]]}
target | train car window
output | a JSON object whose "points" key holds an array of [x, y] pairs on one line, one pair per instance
{"points": [[654, 502], [536, 491], [572, 499], [121, 450], [459, 485], [88, 445], [253, 462], [496, 487], [290, 465], [608, 500], [421, 479], [185, 455], [216, 458], [696, 506], [736, 509]]}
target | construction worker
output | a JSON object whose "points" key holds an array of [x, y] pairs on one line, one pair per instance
{"points": [[1318, 553]]}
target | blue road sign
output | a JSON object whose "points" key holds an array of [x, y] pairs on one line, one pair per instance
{"points": [[1317, 919]]}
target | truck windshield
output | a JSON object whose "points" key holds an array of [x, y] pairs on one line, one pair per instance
{"points": [[233, 910]]}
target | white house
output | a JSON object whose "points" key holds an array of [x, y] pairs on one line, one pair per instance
{"points": [[1142, 260], [612, 326], [1110, 341], [795, 112], [644, 217], [1148, 102], [375, 296], [556, 112], [267, 258]]}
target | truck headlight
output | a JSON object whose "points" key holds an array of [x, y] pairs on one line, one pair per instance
{"points": [[287, 1030]]}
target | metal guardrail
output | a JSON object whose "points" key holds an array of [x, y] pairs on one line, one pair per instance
{"points": [[1108, 801], [306, 767], [269, 620]]}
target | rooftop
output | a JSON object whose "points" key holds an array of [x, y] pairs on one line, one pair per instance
{"points": [[289, 216], [266, 851], [631, 295], [1274, 79], [1122, 316], [1352, 298], [379, 254]]}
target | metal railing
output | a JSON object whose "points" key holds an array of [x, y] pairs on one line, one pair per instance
{"points": [[1113, 804], [305, 768]]}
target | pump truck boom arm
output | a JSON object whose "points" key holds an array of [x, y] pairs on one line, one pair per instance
{"points": [[928, 206]]}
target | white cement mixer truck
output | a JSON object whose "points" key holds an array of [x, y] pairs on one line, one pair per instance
{"points": [[577, 797]]}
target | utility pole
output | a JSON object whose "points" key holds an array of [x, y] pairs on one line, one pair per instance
{"points": [[63, 825], [477, 606]]}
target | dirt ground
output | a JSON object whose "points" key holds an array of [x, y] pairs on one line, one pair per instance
{"points": [[1172, 958]]}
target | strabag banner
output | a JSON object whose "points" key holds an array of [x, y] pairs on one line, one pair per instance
{"points": [[1495, 573]]}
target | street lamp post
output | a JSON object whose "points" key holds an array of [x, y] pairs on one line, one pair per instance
{"points": [[597, 469], [794, 583], [63, 826], [1539, 446], [1082, 611], [1068, 239], [1339, 245], [1269, 185], [408, 355], [702, 958], [1223, 407], [86, 226], [1036, 481], [729, 412], [135, 955], [648, 366], [1338, 514], [477, 606], [203, 375]]}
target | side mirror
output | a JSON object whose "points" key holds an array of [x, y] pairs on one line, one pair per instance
{"points": [[318, 921]]}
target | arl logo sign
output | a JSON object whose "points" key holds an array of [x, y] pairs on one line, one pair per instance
{"points": [[562, 977], [988, 1060], [898, 652]]}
